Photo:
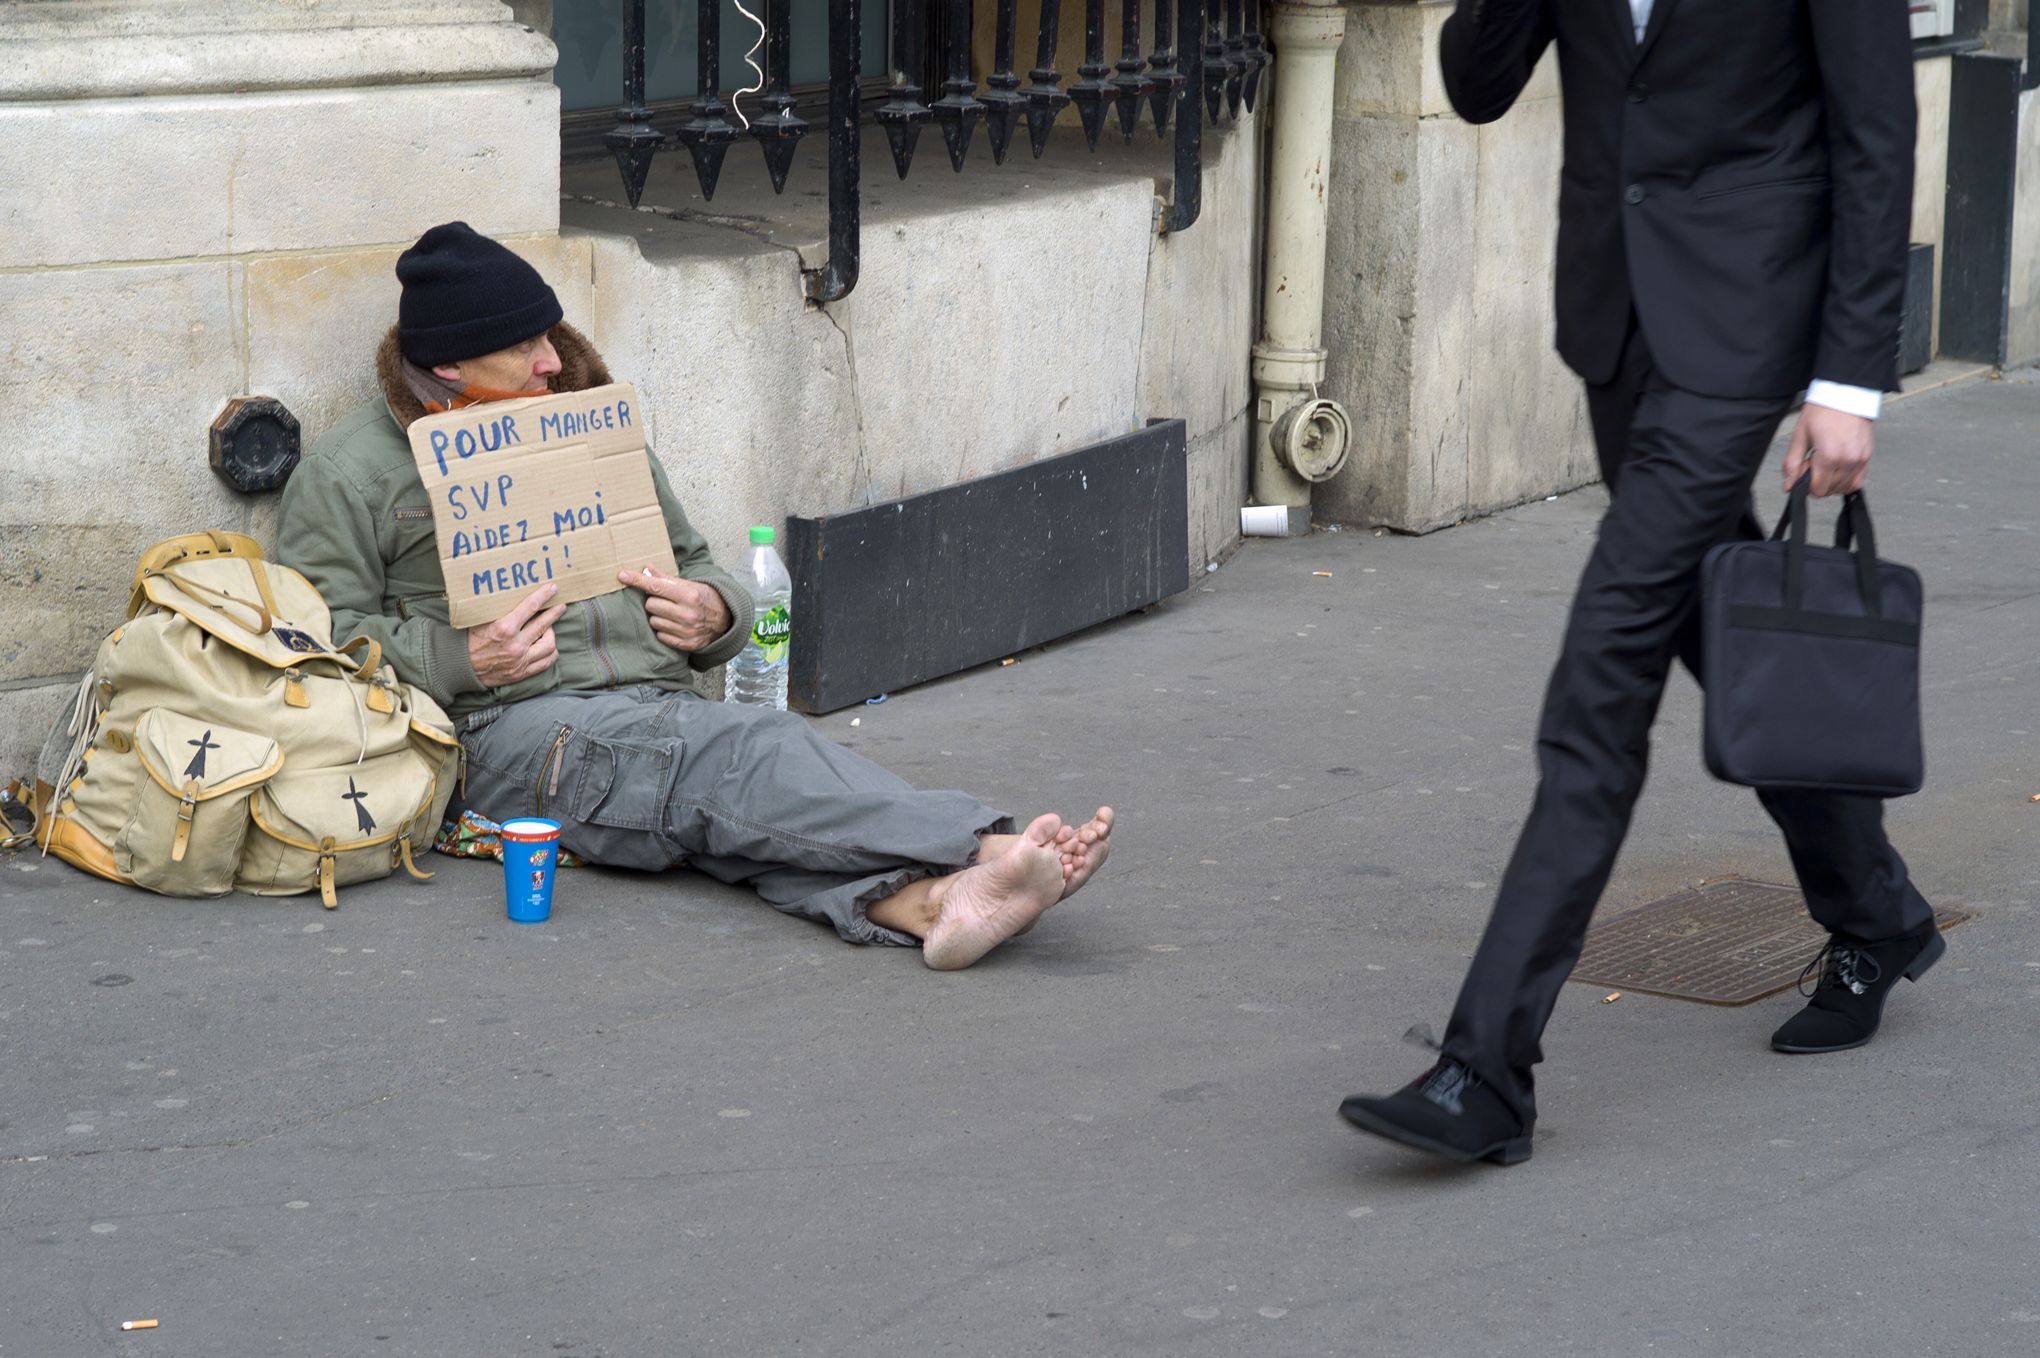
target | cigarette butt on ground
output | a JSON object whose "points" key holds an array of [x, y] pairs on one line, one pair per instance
{"points": [[138, 1324], [1611, 997], [2034, 798], [1322, 575], [1007, 661]]}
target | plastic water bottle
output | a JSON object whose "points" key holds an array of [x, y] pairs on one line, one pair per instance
{"points": [[757, 674]]}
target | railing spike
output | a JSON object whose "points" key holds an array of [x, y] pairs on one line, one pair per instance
{"points": [[903, 114], [635, 162], [1044, 100], [779, 149], [1236, 64], [959, 116], [1133, 85], [901, 134], [1002, 100], [779, 130], [1258, 56], [1094, 92], [634, 140], [708, 159], [707, 132], [957, 111], [1162, 70], [1003, 111]]}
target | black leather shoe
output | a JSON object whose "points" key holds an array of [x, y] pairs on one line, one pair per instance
{"points": [[1850, 982], [1448, 1111]]}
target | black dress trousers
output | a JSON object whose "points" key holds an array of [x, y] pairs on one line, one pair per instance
{"points": [[1679, 467]]}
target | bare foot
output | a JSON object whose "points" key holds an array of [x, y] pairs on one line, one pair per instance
{"points": [[1084, 849], [985, 905]]}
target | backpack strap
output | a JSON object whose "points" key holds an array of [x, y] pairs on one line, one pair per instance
{"points": [[170, 551], [17, 798], [368, 668], [262, 588], [410, 865], [326, 859], [227, 602], [187, 806]]}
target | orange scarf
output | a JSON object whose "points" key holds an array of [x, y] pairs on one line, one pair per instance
{"points": [[473, 395], [437, 394]]}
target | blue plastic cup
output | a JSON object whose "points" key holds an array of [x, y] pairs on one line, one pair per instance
{"points": [[531, 856]]}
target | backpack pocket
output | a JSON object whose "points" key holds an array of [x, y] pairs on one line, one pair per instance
{"points": [[189, 816], [323, 828]]}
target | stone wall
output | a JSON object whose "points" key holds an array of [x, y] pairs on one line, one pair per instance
{"points": [[1438, 289], [976, 338], [1003, 315], [1438, 310], [1932, 82], [2022, 329], [169, 168], [2009, 21]]}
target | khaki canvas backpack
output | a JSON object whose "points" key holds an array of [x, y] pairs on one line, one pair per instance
{"points": [[221, 741]]}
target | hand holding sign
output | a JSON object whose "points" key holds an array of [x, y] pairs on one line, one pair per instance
{"points": [[520, 643], [543, 489], [685, 614]]}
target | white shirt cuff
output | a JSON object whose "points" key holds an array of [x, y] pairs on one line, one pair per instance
{"points": [[1850, 400]]}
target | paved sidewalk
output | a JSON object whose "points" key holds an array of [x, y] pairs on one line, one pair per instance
{"points": [[674, 1122]]}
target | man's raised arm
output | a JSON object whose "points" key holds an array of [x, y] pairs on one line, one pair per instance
{"points": [[1487, 51]]}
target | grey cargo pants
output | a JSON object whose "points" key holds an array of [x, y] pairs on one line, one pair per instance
{"points": [[649, 779]]}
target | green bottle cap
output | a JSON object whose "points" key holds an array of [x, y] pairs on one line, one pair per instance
{"points": [[761, 537]]}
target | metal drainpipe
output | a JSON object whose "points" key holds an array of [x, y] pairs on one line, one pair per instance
{"points": [[1299, 438]]}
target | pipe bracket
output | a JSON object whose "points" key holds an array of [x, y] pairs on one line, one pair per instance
{"points": [[1311, 438]]}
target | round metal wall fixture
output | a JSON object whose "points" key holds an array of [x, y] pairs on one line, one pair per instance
{"points": [[254, 444], [1311, 438]]}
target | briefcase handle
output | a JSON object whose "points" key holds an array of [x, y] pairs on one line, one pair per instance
{"points": [[1851, 529]]}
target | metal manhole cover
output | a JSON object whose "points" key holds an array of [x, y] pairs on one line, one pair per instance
{"points": [[1724, 943]]}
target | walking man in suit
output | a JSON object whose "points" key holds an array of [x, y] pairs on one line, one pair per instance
{"points": [[1733, 217]]}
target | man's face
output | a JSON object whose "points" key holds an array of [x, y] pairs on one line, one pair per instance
{"points": [[524, 367]]}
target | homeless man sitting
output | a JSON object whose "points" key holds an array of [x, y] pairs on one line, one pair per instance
{"points": [[588, 713]]}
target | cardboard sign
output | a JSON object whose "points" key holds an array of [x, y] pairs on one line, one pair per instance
{"points": [[544, 488]]}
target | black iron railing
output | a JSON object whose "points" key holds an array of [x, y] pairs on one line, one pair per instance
{"points": [[1206, 64]]}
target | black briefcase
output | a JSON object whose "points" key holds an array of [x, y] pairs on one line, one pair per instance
{"points": [[1812, 660]]}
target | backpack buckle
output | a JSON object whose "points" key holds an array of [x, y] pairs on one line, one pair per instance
{"points": [[187, 807], [327, 857]]}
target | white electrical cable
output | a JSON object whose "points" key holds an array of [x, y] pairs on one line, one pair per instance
{"points": [[755, 67], [84, 725], [361, 711]]}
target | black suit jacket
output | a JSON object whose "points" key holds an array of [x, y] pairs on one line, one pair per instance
{"points": [[1743, 178]]}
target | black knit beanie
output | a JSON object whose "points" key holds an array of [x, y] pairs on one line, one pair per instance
{"points": [[465, 296]]}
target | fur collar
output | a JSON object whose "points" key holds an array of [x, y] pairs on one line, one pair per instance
{"points": [[581, 367]]}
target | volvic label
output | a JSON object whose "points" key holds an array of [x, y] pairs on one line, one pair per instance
{"points": [[772, 632]]}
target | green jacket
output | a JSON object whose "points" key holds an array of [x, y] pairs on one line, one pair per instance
{"points": [[355, 522]]}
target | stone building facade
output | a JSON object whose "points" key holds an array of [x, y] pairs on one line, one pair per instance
{"points": [[205, 200]]}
